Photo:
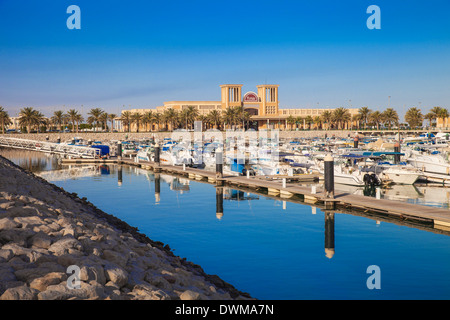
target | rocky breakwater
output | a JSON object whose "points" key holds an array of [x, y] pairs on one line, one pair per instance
{"points": [[54, 245]]}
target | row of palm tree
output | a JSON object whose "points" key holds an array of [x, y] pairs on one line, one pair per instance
{"points": [[235, 117], [172, 119], [388, 117], [32, 119]]}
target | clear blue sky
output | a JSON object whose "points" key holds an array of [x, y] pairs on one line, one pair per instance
{"points": [[142, 53]]}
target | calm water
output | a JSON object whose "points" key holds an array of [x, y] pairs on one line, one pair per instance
{"points": [[269, 248]]}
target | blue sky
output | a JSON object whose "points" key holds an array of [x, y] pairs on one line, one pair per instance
{"points": [[139, 54]]}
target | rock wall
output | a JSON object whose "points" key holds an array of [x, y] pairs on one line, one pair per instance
{"points": [[44, 231]]}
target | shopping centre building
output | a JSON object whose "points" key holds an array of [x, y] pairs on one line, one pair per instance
{"points": [[262, 106]]}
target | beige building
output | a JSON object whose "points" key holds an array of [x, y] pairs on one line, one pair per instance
{"points": [[262, 106]]}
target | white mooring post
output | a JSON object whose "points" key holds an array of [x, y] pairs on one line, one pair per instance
{"points": [[378, 193]]}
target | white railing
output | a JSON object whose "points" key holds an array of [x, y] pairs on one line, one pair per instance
{"points": [[51, 147]]}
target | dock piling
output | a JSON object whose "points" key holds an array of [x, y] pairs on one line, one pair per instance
{"points": [[219, 166], [119, 150], [329, 176], [397, 156], [157, 157]]}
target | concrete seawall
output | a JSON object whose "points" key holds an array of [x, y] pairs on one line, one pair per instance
{"points": [[44, 230], [107, 136]]}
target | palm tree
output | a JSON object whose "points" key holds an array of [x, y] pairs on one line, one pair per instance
{"points": [[327, 117], [309, 121], [414, 117], [229, 117], [364, 115], [376, 118], [318, 122], [215, 118], [29, 117], [245, 118], [78, 120], [72, 114], [58, 118], [157, 119], [171, 117], [298, 121], [430, 116], [104, 117], [340, 116], [192, 114], [4, 119], [147, 119], [95, 116], [137, 119], [126, 119], [443, 114], [390, 117], [111, 117], [290, 121]]}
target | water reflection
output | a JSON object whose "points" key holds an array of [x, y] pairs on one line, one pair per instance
{"points": [[219, 202], [31, 160], [329, 235]]}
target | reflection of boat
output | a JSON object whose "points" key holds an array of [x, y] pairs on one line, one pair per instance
{"points": [[401, 192], [357, 190], [436, 194], [238, 195], [175, 183]]}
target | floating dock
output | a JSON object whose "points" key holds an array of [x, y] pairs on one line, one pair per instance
{"points": [[438, 218]]}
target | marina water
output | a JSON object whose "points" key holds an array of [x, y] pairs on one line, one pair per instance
{"points": [[264, 246]]}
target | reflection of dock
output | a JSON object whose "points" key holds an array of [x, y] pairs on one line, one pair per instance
{"points": [[403, 211], [70, 173]]}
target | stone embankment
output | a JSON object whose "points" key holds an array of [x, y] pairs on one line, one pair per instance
{"points": [[108, 136], [51, 241]]}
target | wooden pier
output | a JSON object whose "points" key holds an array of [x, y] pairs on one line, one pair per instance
{"points": [[437, 218]]}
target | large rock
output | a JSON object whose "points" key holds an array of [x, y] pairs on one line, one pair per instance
{"points": [[20, 293], [5, 255], [8, 223], [93, 272], [190, 295], [63, 246], [49, 279], [148, 292], [87, 291], [116, 274], [40, 240], [28, 222]]}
